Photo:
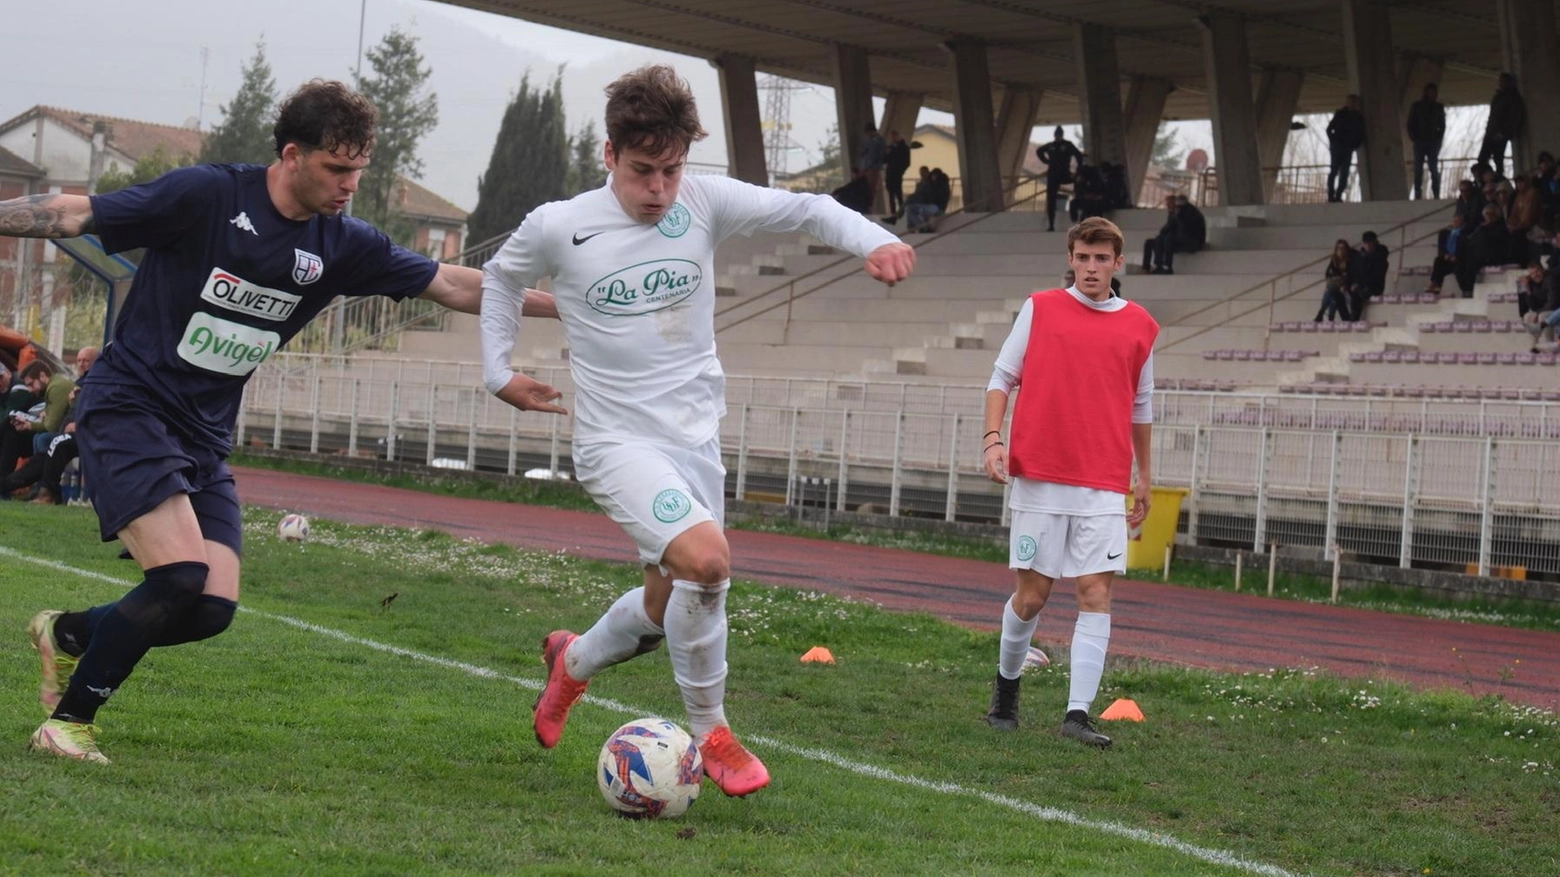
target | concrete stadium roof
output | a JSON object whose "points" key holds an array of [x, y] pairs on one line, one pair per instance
{"points": [[1030, 42]]}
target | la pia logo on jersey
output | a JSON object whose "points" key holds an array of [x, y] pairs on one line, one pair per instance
{"points": [[1026, 548], [644, 288], [676, 222], [224, 347], [307, 267]]}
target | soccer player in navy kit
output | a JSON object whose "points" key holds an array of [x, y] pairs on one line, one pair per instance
{"points": [[238, 259]]}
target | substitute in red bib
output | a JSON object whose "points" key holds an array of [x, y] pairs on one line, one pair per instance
{"points": [[1084, 363]]}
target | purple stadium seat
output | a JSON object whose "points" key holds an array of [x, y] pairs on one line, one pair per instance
{"points": [[1360, 326], [1291, 326], [1210, 354], [1429, 327], [1308, 327], [1525, 359], [1428, 298], [1242, 355], [1466, 358], [1544, 358], [1225, 355], [1445, 326], [1411, 357], [1356, 356], [1486, 358], [1373, 356], [1482, 326], [1462, 326], [1391, 298], [1506, 358]]}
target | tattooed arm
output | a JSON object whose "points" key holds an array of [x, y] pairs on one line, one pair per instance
{"points": [[46, 216]]}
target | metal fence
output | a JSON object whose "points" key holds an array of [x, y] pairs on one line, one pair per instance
{"points": [[1406, 498]]}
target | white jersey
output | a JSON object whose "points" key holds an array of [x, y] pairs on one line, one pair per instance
{"points": [[637, 301], [1045, 496]]}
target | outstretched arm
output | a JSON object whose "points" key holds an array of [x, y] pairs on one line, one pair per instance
{"points": [[46, 216], [460, 289]]}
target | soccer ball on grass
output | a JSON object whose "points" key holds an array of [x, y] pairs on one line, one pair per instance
{"points": [[650, 769], [293, 528]]}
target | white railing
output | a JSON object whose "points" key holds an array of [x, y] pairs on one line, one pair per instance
{"points": [[1397, 497]]}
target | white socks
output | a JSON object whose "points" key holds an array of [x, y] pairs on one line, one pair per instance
{"points": [[1091, 638], [1017, 636], [613, 639], [696, 637]]}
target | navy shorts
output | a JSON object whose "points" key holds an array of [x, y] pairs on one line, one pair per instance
{"points": [[133, 458]]}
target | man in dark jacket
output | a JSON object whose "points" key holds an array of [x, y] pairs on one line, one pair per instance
{"points": [[1345, 134], [1367, 274], [1427, 128], [895, 164], [1508, 116], [1185, 231], [1058, 157]]}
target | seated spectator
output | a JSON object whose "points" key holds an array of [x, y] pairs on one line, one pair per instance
{"points": [[1184, 231], [1548, 186], [1335, 292], [928, 201], [1368, 278], [1089, 194], [1527, 212], [1470, 203], [53, 451], [1445, 253], [17, 441], [1118, 195], [855, 194], [1485, 245]]}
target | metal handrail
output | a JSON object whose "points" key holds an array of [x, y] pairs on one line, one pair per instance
{"points": [[1272, 283], [791, 284]]}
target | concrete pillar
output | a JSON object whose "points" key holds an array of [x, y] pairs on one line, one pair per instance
{"points": [[1145, 108], [1413, 75], [1015, 122], [1227, 61], [1530, 51], [1099, 94], [1278, 96], [852, 101], [1367, 41], [744, 120], [980, 177], [900, 112]]}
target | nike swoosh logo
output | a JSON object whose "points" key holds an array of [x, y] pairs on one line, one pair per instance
{"points": [[580, 240], [1113, 556]]}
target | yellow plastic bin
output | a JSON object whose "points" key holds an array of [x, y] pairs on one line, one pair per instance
{"points": [[1146, 543]]}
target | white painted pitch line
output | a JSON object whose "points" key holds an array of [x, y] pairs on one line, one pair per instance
{"points": [[1046, 814]]}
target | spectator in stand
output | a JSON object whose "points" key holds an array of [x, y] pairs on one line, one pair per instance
{"points": [[1345, 134], [1058, 157], [1335, 292], [1427, 128], [1507, 119], [55, 391], [1445, 253], [1523, 221], [1470, 203], [1485, 245], [1368, 275], [1184, 231], [895, 163], [1089, 194], [1548, 186], [1118, 195], [1496, 189], [1538, 300], [855, 194], [874, 155], [928, 201]]}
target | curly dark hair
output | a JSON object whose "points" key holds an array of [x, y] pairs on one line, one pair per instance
{"points": [[652, 108], [325, 114]]}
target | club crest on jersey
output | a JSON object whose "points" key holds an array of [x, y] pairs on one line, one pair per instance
{"points": [[307, 267], [644, 288], [676, 221]]}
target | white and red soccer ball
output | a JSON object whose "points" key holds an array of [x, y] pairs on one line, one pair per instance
{"points": [[293, 528], [650, 769]]}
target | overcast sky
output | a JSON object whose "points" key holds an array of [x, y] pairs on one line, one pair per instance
{"points": [[143, 61]]}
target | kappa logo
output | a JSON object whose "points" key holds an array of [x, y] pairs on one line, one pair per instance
{"points": [[227, 290], [243, 223], [1026, 548], [676, 222], [671, 505], [307, 267], [104, 693]]}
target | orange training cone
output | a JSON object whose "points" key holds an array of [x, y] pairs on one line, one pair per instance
{"points": [[1123, 709], [818, 655]]}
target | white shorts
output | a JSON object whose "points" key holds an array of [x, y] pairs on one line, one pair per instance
{"points": [[655, 492], [1065, 546]]}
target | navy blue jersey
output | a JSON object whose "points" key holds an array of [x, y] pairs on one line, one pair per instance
{"points": [[225, 282]]}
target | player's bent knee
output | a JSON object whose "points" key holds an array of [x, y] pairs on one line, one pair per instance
{"points": [[212, 616], [179, 582]]}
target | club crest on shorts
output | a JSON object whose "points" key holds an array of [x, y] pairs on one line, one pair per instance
{"points": [[307, 267], [676, 221], [1026, 548], [671, 505]]}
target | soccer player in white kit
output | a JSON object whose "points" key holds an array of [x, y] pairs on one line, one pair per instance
{"points": [[632, 268], [1084, 363]]}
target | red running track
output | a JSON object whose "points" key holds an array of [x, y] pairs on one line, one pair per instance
{"points": [[1188, 626]]}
